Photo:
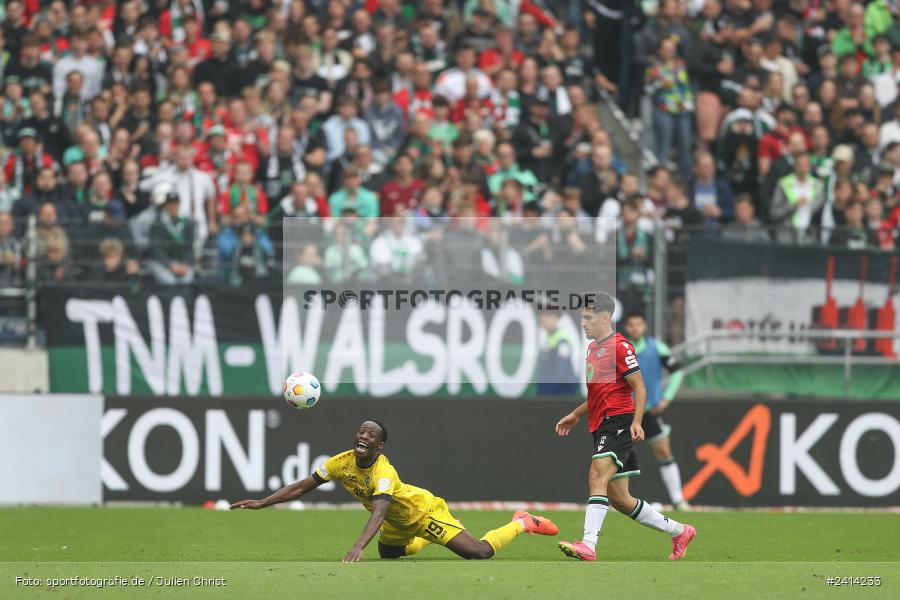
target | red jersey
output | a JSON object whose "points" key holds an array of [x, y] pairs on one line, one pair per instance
{"points": [[773, 145], [394, 195], [609, 362], [413, 102]]}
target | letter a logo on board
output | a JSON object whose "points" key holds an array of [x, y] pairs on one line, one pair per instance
{"points": [[718, 459]]}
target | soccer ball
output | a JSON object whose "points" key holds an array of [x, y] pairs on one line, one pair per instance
{"points": [[302, 390]]}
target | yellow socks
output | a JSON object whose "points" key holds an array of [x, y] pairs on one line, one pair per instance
{"points": [[416, 546], [501, 536]]}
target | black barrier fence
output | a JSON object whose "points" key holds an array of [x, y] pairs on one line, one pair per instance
{"points": [[732, 453]]}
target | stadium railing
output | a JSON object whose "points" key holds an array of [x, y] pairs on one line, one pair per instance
{"points": [[660, 290], [670, 256], [702, 354]]}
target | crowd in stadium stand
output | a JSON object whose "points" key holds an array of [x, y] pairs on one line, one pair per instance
{"points": [[153, 138]]}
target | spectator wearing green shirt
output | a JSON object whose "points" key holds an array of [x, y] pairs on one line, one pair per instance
{"points": [[881, 62], [354, 196], [345, 259], [854, 234], [666, 81], [509, 169], [89, 149], [306, 269], [878, 18], [854, 36], [441, 127]]}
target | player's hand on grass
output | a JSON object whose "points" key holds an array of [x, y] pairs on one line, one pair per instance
{"points": [[250, 504], [354, 555], [566, 424], [637, 432]]}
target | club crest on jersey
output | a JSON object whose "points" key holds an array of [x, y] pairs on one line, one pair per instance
{"points": [[601, 352]]}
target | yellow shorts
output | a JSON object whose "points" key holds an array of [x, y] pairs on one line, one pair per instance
{"points": [[438, 527]]}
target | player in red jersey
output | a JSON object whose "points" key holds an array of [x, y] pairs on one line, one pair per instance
{"points": [[615, 404]]}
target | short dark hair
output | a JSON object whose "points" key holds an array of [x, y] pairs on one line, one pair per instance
{"points": [[381, 86], [384, 433], [600, 302], [770, 38], [530, 207], [748, 197], [652, 171], [635, 314]]}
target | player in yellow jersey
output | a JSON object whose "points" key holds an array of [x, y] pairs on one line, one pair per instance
{"points": [[408, 518]]}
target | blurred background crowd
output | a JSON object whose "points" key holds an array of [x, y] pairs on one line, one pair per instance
{"points": [[167, 140]]}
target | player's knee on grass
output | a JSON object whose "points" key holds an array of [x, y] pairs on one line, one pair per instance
{"points": [[385, 551], [483, 551], [469, 548]]}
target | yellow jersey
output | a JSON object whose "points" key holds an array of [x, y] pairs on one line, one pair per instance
{"points": [[409, 504]]}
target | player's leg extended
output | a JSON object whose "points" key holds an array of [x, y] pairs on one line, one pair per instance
{"points": [[602, 469], [622, 500], [441, 527], [491, 542], [522, 522], [466, 546], [668, 468]]}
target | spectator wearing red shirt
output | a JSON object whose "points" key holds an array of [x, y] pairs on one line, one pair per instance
{"points": [[471, 103], [172, 20], [773, 145], [217, 159], [51, 44], [484, 155], [887, 234], [186, 135], [243, 133], [502, 56], [198, 47], [403, 190], [417, 98], [208, 112], [23, 165], [244, 192], [468, 201]]}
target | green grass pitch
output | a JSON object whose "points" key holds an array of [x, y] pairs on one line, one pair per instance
{"points": [[297, 553]]}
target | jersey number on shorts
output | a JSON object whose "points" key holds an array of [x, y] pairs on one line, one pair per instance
{"points": [[435, 529]]}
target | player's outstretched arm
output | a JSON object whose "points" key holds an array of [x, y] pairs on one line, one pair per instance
{"points": [[379, 510], [565, 425], [285, 494], [636, 381]]}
